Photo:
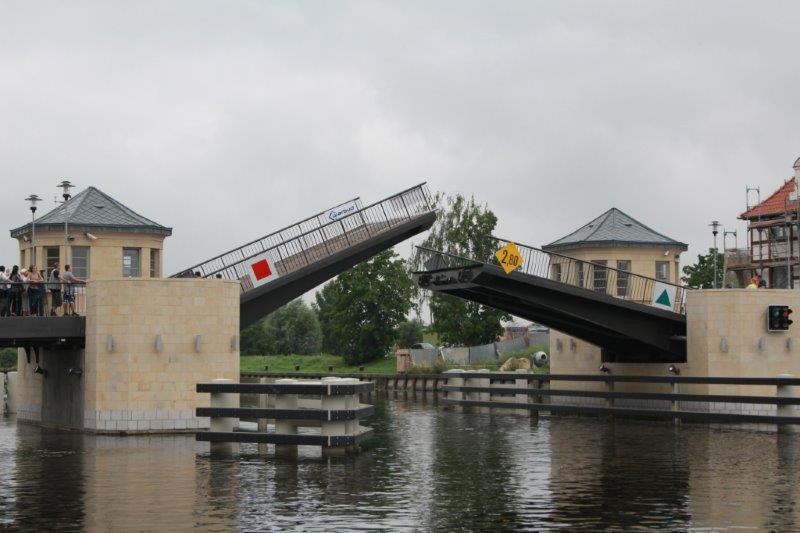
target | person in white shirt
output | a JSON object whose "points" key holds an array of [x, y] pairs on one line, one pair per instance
{"points": [[69, 290]]}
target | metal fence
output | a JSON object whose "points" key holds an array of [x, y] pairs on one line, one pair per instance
{"points": [[314, 238], [595, 276], [42, 299]]}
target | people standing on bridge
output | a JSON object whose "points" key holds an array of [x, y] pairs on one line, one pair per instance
{"points": [[762, 284], [17, 288], [35, 291], [753, 283], [69, 292], [54, 284], [5, 293]]}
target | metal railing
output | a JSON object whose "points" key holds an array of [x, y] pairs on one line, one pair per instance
{"points": [[42, 299], [297, 246], [261, 244], [594, 276]]}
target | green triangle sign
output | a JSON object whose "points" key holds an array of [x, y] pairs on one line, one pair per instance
{"points": [[664, 299]]}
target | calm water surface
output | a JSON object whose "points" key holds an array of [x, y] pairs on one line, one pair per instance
{"points": [[428, 468]]}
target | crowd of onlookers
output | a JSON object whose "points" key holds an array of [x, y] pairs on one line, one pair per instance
{"points": [[26, 292]]}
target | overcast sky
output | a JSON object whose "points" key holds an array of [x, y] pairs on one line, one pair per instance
{"points": [[227, 120]]}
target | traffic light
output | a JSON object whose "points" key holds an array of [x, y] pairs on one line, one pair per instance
{"points": [[778, 318]]}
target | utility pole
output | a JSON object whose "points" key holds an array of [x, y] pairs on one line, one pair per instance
{"points": [[715, 230], [65, 186]]}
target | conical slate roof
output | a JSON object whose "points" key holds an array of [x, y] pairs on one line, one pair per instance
{"points": [[613, 228], [94, 209]]}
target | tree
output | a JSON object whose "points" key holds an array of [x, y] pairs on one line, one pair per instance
{"points": [[701, 274], [361, 308], [253, 339], [463, 228], [408, 333], [293, 329]]}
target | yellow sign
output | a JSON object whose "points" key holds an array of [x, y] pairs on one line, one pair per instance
{"points": [[509, 257]]}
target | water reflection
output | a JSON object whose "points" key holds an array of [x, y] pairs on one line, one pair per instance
{"points": [[427, 468]]}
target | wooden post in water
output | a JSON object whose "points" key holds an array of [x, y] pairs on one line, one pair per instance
{"points": [[284, 426], [521, 383], [223, 424], [263, 403], [785, 391], [455, 379], [674, 403]]}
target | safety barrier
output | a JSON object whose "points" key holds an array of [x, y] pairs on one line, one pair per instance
{"points": [[42, 299], [331, 404]]}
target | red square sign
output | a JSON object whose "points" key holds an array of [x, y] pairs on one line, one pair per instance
{"points": [[261, 269]]}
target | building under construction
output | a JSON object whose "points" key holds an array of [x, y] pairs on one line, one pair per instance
{"points": [[773, 238]]}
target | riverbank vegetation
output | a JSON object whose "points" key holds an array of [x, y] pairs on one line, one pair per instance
{"points": [[312, 363]]}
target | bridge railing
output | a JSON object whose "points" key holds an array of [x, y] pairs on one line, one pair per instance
{"points": [[595, 276], [42, 299], [299, 246], [257, 246]]}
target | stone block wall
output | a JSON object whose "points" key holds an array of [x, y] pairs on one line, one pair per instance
{"points": [[132, 386], [726, 336]]}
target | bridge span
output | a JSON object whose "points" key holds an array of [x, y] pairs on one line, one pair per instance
{"points": [[618, 311]]}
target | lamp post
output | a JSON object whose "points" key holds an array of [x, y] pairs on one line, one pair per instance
{"points": [[33, 200], [65, 186], [715, 230]]}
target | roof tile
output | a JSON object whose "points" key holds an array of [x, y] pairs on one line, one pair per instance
{"points": [[774, 205], [94, 208], [613, 228]]}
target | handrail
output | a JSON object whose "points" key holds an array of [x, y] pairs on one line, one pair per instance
{"points": [[41, 298], [589, 263], [595, 277], [357, 199], [306, 247]]}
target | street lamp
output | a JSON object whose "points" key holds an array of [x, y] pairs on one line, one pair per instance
{"points": [[33, 200], [715, 230], [65, 186]]}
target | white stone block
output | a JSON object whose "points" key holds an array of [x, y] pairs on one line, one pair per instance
{"points": [[169, 424], [142, 425], [156, 424], [181, 424]]}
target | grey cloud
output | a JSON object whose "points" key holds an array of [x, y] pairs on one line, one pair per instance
{"points": [[229, 119]]}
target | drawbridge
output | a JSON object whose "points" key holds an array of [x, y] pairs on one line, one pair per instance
{"points": [[297, 258], [632, 318]]}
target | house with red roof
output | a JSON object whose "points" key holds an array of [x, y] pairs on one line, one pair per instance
{"points": [[774, 239]]}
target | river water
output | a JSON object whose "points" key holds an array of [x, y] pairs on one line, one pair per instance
{"points": [[428, 468]]}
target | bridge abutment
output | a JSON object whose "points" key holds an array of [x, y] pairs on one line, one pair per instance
{"points": [[148, 342], [726, 336]]}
